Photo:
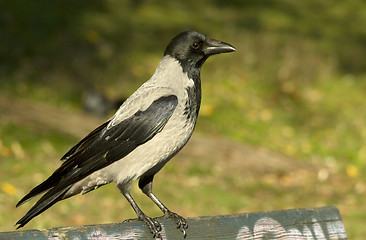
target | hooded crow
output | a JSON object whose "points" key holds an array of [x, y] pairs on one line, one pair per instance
{"points": [[149, 128]]}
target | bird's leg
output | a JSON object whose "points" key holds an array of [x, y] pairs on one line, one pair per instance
{"points": [[145, 185], [182, 224], [153, 224]]}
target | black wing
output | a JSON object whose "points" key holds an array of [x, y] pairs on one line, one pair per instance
{"points": [[99, 149], [85, 142]]}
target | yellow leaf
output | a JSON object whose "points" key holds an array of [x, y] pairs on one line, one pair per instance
{"points": [[352, 171], [8, 189]]}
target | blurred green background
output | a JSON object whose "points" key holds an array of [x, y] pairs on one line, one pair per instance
{"points": [[295, 87]]}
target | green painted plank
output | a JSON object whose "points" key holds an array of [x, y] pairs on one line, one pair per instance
{"points": [[313, 223]]}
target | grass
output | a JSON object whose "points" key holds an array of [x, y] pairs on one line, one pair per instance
{"points": [[296, 86]]}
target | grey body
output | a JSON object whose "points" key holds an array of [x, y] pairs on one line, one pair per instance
{"points": [[168, 79], [150, 127]]}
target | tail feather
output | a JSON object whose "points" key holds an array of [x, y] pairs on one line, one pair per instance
{"points": [[45, 202], [41, 188]]}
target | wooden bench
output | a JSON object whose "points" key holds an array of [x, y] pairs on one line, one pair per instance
{"points": [[310, 223]]}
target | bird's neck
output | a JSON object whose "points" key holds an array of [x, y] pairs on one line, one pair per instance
{"points": [[193, 91], [172, 73], [194, 99]]}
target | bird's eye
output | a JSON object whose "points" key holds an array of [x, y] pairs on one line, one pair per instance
{"points": [[196, 45]]}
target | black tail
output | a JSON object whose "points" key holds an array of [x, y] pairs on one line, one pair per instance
{"points": [[45, 202], [41, 188]]}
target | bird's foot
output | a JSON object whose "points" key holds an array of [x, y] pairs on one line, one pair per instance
{"points": [[154, 225], [182, 224]]}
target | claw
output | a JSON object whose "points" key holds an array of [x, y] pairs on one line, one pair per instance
{"points": [[184, 233], [154, 226], [182, 224], [157, 225], [157, 235]]}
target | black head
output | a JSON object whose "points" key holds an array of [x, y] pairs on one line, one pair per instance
{"points": [[192, 49]]}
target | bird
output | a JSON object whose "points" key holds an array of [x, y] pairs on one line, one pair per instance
{"points": [[147, 130]]}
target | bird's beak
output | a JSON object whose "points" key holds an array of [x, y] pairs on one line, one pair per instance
{"points": [[215, 47]]}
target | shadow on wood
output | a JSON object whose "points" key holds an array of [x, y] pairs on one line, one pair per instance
{"points": [[313, 223]]}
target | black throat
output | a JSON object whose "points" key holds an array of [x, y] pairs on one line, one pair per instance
{"points": [[193, 103]]}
